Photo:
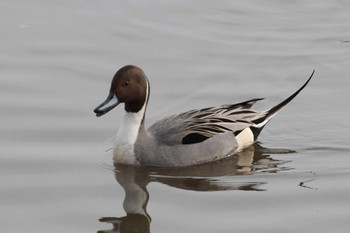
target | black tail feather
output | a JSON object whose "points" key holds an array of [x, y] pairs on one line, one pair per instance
{"points": [[256, 131], [261, 122], [279, 106]]}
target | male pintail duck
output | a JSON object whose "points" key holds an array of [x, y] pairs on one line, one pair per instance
{"points": [[189, 138]]}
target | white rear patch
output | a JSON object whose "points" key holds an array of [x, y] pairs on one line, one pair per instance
{"points": [[244, 139]]}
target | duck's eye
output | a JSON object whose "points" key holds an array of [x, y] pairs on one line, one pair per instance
{"points": [[126, 83]]}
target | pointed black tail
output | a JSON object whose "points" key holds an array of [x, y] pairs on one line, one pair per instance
{"points": [[261, 122]]}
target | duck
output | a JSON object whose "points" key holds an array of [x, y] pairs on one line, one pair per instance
{"points": [[189, 138]]}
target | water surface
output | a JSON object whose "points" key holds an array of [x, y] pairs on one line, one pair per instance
{"points": [[58, 57]]}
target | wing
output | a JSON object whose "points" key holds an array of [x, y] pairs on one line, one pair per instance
{"points": [[198, 125]]}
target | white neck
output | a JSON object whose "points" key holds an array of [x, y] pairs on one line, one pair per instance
{"points": [[123, 149], [130, 127]]}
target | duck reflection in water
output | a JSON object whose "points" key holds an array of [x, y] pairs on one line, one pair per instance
{"points": [[215, 176]]}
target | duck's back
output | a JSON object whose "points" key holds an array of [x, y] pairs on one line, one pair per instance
{"points": [[196, 126]]}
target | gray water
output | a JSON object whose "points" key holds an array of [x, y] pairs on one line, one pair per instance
{"points": [[56, 62]]}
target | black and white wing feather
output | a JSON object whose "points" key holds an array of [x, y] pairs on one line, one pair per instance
{"points": [[198, 125]]}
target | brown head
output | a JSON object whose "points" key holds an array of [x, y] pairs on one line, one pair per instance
{"points": [[130, 86]]}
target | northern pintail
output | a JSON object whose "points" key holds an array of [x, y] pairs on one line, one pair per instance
{"points": [[189, 138]]}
